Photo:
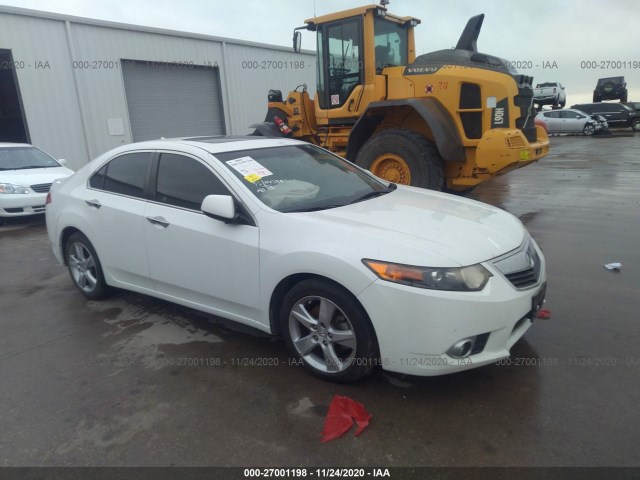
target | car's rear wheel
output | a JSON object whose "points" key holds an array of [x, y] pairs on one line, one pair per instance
{"points": [[326, 328], [635, 126], [589, 129], [84, 267]]}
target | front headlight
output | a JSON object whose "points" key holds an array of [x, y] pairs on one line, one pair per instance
{"points": [[10, 188], [464, 279]]}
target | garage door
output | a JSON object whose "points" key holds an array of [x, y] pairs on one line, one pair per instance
{"points": [[166, 100]]}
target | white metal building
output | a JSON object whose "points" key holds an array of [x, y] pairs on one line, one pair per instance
{"points": [[77, 87]]}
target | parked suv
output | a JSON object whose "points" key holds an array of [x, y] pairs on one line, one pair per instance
{"points": [[618, 115], [635, 106], [611, 88]]}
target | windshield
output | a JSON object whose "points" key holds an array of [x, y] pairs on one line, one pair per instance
{"points": [[301, 178], [22, 158]]}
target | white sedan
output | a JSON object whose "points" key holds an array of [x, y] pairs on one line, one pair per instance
{"points": [[26, 174], [291, 239]]}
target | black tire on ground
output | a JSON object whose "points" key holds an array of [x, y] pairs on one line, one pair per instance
{"points": [[635, 125], [84, 267], [562, 104], [321, 321], [419, 154], [596, 99], [623, 99], [589, 129]]}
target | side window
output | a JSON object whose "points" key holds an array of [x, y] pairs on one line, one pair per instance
{"points": [[97, 179], [390, 43], [184, 182], [552, 114], [126, 174]]}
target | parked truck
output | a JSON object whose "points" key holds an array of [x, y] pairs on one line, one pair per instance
{"points": [[549, 93], [449, 119]]}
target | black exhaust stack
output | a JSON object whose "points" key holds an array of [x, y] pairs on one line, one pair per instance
{"points": [[469, 38]]}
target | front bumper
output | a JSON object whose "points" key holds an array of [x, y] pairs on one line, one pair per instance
{"points": [[502, 150], [19, 205], [417, 327]]}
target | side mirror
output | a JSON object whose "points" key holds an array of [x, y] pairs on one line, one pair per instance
{"points": [[220, 207], [297, 41], [62, 161]]}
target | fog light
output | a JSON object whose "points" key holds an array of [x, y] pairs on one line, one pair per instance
{"points": [[461, 349]]}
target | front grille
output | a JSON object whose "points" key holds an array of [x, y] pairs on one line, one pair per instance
{"points": [[521, 267], [41, 187], [523, 279], [515, 142]]}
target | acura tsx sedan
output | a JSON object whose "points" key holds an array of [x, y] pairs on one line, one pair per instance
{"points": [[352, 271]]}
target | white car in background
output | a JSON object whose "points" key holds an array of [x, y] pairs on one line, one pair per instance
{"points": [[570, 120], [26, 174], [291, 239]]}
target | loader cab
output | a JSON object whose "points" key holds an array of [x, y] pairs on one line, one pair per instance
{"points": [[353, 49]]}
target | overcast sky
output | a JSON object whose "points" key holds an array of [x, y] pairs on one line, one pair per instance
{"points": [[567, 32]]}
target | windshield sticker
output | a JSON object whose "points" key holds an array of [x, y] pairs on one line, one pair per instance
{"points": [[251, 170]]}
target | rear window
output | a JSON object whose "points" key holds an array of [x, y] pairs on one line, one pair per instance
{"points": [[602, 81]]}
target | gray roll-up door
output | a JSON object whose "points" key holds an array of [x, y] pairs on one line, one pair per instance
{"points": [[166, 100]]}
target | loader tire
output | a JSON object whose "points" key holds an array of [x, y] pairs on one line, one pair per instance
{"points": [[402, 156]]}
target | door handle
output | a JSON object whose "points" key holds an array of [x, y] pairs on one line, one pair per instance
{"points": [[160, 221], [93, 203]]}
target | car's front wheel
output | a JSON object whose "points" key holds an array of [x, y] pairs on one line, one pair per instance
{"points": [[326, 328], [84, 267], [635, 126], [589, 129]]}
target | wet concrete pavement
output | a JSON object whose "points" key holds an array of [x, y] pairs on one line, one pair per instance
{"points": [[133, 381]]}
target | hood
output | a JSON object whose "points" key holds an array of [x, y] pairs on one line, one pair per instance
{"points": [[461, 230], [34, 176]]}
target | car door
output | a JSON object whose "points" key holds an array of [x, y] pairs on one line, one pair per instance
{"points": [[195, 259], [554, 122], [114, 204], [572, 121]]}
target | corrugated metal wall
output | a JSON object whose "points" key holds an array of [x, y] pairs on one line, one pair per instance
{"points": [[72, 83]]}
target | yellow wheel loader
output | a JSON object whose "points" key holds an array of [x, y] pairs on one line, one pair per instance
{"points": [[445, 120]]}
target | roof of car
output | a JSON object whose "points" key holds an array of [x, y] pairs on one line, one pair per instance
{"points": [[216, 144], [12, 145]]}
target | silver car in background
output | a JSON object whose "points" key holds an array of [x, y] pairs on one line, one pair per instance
{"points": [[569, 120]]}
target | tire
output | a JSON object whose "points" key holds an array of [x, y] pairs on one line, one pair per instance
{"points": [[596, 99], [84, 267], [402, 156], [623, 98], [312, 314], [635, 126], [589, 129], [562, 104]]}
